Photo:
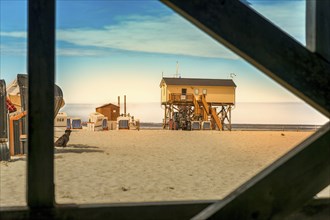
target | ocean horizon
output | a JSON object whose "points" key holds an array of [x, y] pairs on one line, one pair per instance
{"points": [[284, 113]]}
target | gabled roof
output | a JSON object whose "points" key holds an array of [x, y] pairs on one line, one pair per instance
{"points": [[108, 105], [198, 82]]}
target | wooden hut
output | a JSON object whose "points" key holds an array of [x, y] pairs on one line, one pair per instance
{"points": [[192, 99], [110, 111]]}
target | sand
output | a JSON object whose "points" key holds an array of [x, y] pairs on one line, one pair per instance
{"points": [[152, 165]]}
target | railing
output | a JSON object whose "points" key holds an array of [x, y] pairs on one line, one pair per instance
{"points": [[196, 106], [205, 105], [179, 97]]}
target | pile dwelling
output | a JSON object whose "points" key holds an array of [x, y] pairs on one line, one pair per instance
{"points": [[195, 104]]}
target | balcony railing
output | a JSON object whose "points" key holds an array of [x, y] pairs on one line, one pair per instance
{"points": [[179, 97]]}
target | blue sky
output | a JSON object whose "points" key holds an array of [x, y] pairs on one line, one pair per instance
{"points": [[110, 48]]}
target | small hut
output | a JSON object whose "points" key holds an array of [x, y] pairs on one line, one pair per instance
{"points": [[110, 111]]}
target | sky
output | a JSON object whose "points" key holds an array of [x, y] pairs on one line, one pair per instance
{"points": [[106, 49]]}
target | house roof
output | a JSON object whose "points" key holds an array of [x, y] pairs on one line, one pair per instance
{"points": [[198, 82], [108, 105]]}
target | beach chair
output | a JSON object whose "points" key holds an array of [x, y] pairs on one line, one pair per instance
{"points": [[195, 125], [76, 123], [4, 150], [22, 81], [206, 125], [105, 123]]}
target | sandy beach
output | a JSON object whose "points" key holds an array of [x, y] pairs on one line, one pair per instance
{"points": [[152, 165]]}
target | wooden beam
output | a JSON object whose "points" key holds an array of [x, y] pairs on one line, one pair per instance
{"points": [[318, 27], [152, 210], [283, 187], [293, 66], [40, 161], [269, 49], [315, 209]]}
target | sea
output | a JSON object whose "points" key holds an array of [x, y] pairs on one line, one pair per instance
{"points": [[245, 115]]}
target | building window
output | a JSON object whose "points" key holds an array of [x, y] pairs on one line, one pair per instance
{"points": [[196, 92], [204, 91], [184, 91]]}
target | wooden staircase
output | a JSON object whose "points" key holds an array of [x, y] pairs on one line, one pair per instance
{"points": [[216, 118], [196, 107], [213, 112], [205, 105]]}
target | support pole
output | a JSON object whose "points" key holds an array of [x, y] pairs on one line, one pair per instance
{"points": [[119, 104], [41, 57], [125, 105], [171, 112], [164, 122], [318, 28], [229, 112]]}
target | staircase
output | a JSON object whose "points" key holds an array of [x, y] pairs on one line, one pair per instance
{"points": [[196, 106], [205, 105], [213, 112], [216, 118]]}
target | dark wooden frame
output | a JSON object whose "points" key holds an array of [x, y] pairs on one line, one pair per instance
{"points": [[276, 192]]}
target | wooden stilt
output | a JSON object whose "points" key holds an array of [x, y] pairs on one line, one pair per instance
{"points": [[165, 116], [229, 111]]}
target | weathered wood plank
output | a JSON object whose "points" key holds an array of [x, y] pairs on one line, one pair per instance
{"points": [[41, 48], [263, 45], [315, 209], [318, 27], [153, 210]]}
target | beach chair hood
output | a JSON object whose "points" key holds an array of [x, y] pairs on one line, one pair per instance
{"points": [[18, 94]]}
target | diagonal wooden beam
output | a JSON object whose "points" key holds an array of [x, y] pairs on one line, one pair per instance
{"points": [[315, 209], [263, 45], [283, 187], [123, 211], [41, 59], [286, 185]]}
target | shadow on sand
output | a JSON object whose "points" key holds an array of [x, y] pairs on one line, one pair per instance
{"points": [[77, 148]]}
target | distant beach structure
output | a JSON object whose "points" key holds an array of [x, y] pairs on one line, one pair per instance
{"points": [[109, 110], [205, 103], [281, 113], [61, 120]]}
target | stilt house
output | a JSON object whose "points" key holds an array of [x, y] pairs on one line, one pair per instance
{"points": [[188, 100]]}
